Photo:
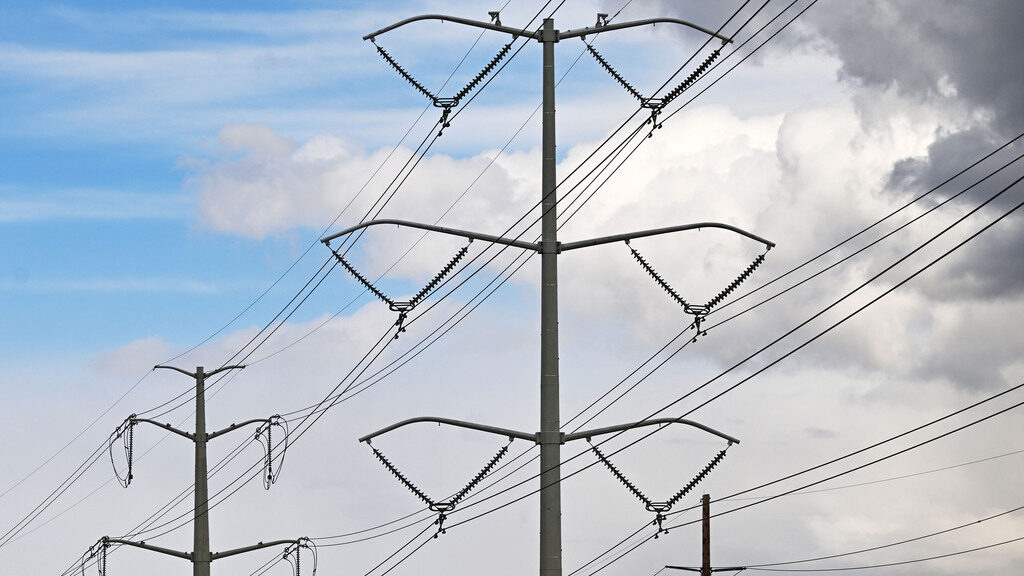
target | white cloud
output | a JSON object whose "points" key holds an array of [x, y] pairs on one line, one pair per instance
{"points": [[133, 358]]}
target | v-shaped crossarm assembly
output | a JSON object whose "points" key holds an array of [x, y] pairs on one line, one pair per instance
{"points": [[442, 507], [538, 246]]}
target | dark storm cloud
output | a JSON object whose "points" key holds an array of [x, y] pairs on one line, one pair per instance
{"points": [[992, 270], [917, 46], [966, 52]]}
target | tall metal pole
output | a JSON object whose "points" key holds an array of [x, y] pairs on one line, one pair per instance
{"points": [[550, 441], [550, 436], [201, 523], [201, 557]]}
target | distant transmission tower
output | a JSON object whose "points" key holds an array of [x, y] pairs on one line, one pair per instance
{"points": [[201, 556], [550, 437]]}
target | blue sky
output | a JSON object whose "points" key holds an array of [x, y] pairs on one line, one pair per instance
{"points": [[96, 214], [162, 164], [109, 106]]}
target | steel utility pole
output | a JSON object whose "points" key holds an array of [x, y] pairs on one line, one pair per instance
{"points": [[550, 423], [550, 436], [201, 556]]}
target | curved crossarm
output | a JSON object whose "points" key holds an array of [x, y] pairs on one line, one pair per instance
{"points": [[176, 369], [635, 23], [150, 547], [167, 427], [458, 423], [451, 231], [657, 231], [649, 422], [457, 20], [195, 374], [257, 546]]}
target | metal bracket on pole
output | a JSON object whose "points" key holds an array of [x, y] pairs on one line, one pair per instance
{"points": [[550, 438]]}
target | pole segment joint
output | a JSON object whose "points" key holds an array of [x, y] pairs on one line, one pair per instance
{"points": [[550, 437]]}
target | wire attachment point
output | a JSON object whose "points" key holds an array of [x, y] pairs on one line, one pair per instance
{"points": [[440, 524], [126, 432], [442, 507], [270, 475], [295, 549], [403, 307], [659, 508]]}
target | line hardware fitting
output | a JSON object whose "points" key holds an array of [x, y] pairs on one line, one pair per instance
{"points": [[403, 307], [265, 431], [655, 105], [264, 435], [442, 507], [446, 104], [293, 551], [659, 508], [698, 311], [97, 551], [126, 433]]}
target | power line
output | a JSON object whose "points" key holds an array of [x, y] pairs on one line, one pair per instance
{"points": [[891, 544], [890, 478], [863, 307], [889, 564], [836, 475], [736, 495], [300, 433], [794, 350]]}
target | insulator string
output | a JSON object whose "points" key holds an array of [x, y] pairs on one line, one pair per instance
{"points": [[608, 68], [622, 477]]}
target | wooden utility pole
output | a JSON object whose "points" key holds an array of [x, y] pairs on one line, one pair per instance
{"points": [[705, 538], [705, 545]]}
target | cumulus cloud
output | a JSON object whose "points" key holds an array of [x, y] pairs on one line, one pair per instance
{"points": [[133, 358], [753, 172]]}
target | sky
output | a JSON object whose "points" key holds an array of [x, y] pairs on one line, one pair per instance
{"points": [[167, 169]]}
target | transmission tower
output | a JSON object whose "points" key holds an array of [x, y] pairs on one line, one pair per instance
{"points": [[550, 437], [201, 556]]}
